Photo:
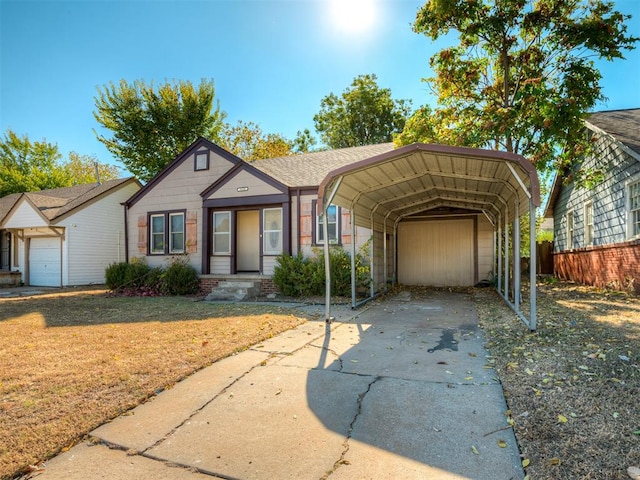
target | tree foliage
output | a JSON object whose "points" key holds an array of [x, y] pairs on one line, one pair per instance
{"points": [[304, 142], [83, 169], [150, 125], [247, 141], [364, 114], [27, 166], [522, 77]]}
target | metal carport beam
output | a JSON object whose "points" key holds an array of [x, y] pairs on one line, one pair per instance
{"points": [[326, 202]]}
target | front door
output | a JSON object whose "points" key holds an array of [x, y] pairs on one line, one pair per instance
{"points": [[248, 241]]}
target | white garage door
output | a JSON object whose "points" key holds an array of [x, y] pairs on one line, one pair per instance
{"points": [[44, 262], [436, 253]]}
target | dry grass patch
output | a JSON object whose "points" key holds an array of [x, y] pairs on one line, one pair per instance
{"points": [[573, 387], [71, 361]]}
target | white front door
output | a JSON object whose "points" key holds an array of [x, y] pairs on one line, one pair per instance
{"points": [[248, 241], [44, 262], [436, 253]]}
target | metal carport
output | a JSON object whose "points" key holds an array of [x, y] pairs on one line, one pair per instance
{"points": [[383, 190]]}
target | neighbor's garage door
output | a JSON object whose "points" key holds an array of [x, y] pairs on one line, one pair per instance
{"points": [[436, 253], [44, 262]]}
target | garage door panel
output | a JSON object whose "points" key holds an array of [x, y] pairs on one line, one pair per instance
{"points": [[44, 262], [436, 253]]}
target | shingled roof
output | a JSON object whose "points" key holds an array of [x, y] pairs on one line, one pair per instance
{"points": [[309, 169], [57, 201], [623, 125]]}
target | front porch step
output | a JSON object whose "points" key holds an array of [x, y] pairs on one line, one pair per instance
{"points": [[234, 290]]}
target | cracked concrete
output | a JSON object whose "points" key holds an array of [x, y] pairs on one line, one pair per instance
{"points": [[397, 390]]}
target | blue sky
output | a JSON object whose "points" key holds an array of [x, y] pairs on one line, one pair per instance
{"points": [[272, 61]]}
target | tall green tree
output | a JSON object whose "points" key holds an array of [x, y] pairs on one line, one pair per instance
{"points": [[247, 141], [150, 125], [364, 114], [27, 166], [522, 77]]}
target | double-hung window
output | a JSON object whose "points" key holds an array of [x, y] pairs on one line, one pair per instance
{"points": [[588, 223], [167, 233], [157, 233], [222, 233], [570, 230], [332, 226], [634, 209], [176, 233], [272, 231]]}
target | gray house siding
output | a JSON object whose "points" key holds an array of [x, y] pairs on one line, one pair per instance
{"points": [[609, 198], [611, 257]]}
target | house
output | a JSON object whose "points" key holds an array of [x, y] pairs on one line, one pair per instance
{"points": [[597, 230], [232, 217], [431, 214], [63, 236]]}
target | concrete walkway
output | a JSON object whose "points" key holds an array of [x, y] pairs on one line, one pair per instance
{"points": [[401, 390]]}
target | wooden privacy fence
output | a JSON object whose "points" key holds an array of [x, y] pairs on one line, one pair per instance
{"points": [[544, 257]]}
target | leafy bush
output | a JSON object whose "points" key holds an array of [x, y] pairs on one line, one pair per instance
{"points": [[299, 276], [179, 278], [115, 275], [138, 278]]}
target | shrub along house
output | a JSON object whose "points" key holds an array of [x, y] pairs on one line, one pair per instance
{"points": [[597, 230], [434, 215]]}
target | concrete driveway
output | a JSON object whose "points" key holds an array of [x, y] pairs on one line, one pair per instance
{"points": [[399, 389]]}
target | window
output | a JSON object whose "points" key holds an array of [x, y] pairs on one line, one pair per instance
{"points": [[167, 241], [569, 230], [157, 234], [332, 220], [176, 233], [634, 209], [272, 231], [588, 223], [201, 161], [222, 232]]}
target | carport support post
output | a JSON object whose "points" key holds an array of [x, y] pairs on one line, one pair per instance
{"points": [[533, 263], [516, 261], [353, 259], [372, 289], [506, 256], [326, 202], [499, 253], [327, 264]]}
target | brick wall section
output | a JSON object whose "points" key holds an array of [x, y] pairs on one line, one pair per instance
{"points": [[267, 286], [614, 265], [207, 284]]}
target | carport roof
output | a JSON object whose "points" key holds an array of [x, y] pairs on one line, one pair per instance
{"points": [[421, 177]]}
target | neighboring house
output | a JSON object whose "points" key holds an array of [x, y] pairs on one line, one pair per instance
{"points": [[233, 217], [597, 230], [64, 236]]}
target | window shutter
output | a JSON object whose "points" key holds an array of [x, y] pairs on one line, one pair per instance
{"points": [[192, 232], [142, 234]]}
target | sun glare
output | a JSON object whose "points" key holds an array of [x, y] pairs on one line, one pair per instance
{"points": [[353, 16]]}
